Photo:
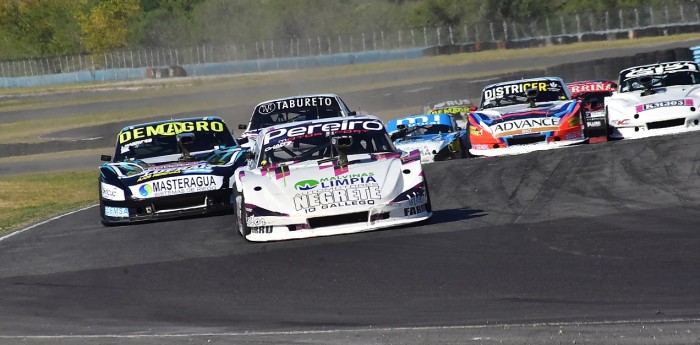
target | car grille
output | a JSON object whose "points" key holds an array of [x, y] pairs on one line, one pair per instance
{"points": [[180, 202], [666, 124], [340, 219], [524, 140]]}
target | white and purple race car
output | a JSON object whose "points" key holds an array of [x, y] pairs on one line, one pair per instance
{"points": [[327, 177]]}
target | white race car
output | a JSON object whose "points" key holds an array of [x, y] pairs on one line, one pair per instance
{"points": [[655, 99], [327, 177]]}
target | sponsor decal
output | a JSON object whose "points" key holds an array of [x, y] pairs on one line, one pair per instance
{"points": [[525, 126], [261, 230], [663, 104], [116, 212], [450, 110], [255, 221], [503, 90], [475, 131], [480, 147], [178, 185], [413, 210], [174, 169], [125, 148], [267, 108], [621, 122], [338, 191], [660, 69], [592, 87], [170, 128], [595, 124], [570, 136], [318, 128], [110, 192], [306, 185], [336, 181]]}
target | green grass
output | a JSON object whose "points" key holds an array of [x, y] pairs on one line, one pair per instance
{"points": [[26, 198]]}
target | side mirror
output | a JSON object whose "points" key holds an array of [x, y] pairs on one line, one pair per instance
{"points": [[242, 126], [185, 142], [105, 158], [531, 96], [472, 108]]}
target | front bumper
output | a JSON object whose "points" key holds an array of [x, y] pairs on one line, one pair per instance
{"points": [[276, 228], [136, 210]]}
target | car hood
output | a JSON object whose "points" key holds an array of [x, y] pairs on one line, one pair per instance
{"points": [[295, 187], [518, 111], [426, 143], [146, 180], [662, 94]]}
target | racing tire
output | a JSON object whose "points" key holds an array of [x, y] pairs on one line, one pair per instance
{"points": [[608, 129], [428, 204], [463, 151], [241, 221]]}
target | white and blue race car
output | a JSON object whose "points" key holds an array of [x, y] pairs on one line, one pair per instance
{"points": [[436, 136], [327, 177]]}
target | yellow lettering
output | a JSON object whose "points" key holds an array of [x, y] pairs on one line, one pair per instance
{"points": [[202, 126], [217, 126], [186, 127], [543, 86], [124, 137], [151, 131], [138, 133]]}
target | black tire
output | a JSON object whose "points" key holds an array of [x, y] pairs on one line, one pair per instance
{"points": [[466, 144], [240, 215], [608, 129], [428, 205]]}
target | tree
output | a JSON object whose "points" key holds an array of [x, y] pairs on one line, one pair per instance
{"points": [[37, 28], [104, 25]]}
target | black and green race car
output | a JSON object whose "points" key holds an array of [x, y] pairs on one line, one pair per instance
{"points": [[167, 169]]}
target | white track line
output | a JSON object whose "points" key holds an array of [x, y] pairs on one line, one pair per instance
{"points": [[44, 222], [336, 331]]}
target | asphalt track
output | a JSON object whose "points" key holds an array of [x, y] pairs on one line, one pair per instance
{"points": [[587, 244]]}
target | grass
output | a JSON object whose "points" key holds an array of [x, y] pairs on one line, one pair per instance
{"points": [[26, 198]]}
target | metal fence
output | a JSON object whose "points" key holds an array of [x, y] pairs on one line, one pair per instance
{"points": [[577, 24]]}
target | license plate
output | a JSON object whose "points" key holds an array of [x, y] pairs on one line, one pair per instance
{"points": [[117, 212]]}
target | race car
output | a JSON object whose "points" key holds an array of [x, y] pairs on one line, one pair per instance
{"points": [[525, 115], [655, 99], [167, 169], [436, 137], [328, 177], [592, 94], [292, 109], [459, 108]]}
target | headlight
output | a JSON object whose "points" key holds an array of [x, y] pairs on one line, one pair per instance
{"points": [[110, 192]]}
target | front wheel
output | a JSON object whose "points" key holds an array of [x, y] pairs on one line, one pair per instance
{"points": [[241, 221]]}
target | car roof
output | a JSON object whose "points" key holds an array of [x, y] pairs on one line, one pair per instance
{"points": [[199, 118], [514, 81], [658, 64], [297, 96]]}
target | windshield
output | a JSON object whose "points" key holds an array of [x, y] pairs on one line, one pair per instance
{"points": [[316, 144], [161, 139], [428, 129], [294, 110], [502, 95], [670, 79]]}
